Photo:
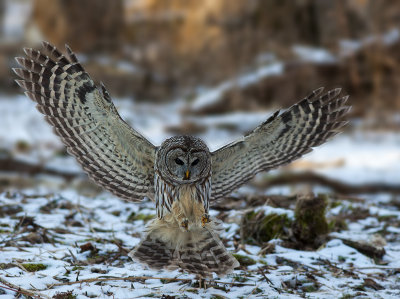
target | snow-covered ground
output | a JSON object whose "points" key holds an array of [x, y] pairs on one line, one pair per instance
{"points": [[64, 219], [64, 222]]}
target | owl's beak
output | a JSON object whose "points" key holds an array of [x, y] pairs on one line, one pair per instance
{"points": [[187, 174]]}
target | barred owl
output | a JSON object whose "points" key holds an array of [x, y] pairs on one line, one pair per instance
{"points": [[181, 175]]}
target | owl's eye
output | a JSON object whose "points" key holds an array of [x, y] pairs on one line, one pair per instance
{"points": [[195, 162], [179, 161]]}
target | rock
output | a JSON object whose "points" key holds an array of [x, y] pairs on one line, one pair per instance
{"points": [[367, 248]]}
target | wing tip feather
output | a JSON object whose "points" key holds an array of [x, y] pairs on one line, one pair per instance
{"points": [[30, 95], [333, 93], [28, 51], [21, 83], [69, 50], [319, 90], [18, 71], [20, 60], [46, 44]]}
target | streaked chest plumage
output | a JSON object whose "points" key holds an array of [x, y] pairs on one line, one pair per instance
{"points": [[187, 202]]}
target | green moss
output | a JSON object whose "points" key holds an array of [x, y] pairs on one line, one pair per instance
{"points": [[164, 281], [310, 221], [64, 295], [337, 224], [76, 268], [273, 226], [34, 267], [260, 228], [335, 204], [310, 288], [145, 217], [257, 291], [250, 215], [22, 146], [5, 266], [312, 215], [263, 262], [240, 278], [116, 213], [244, 260]]}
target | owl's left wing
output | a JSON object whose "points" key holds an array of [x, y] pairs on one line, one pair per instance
{"points": [[113, 154], [278, 141]]}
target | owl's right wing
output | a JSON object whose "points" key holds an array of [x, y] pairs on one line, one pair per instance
{"points": [[113, 154], [278, 141]]}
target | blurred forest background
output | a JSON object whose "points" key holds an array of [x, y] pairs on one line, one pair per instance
{"points": [[160, 50]]}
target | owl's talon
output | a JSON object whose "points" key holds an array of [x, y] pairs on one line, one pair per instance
{"points": [[185, 224], [205, 219]]}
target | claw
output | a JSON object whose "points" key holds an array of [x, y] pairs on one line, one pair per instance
{"points": [[205, 219], [202, 283], [185, 224]]}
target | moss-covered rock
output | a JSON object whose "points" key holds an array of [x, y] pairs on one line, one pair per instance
{"points": [[259, 228], [310, 226], [64, 295], [244, 260]]}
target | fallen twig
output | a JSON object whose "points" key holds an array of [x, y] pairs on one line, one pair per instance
{"points": [[365, 248], [335, 185], [12, 287], [12, 165], [261, 271]]}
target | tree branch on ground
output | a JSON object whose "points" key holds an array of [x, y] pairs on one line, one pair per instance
{"points": [[308, 177]]}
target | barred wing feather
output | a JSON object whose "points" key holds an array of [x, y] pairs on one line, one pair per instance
{"points": [[82, 114], [278, 141]]}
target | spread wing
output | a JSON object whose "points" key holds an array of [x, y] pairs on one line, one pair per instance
{"points": [[113, 154], [278, 141]]}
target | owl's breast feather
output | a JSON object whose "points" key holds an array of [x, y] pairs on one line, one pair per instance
{"points": [[188, 206]]}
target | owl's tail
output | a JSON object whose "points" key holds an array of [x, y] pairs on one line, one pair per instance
{"points": [[200, 252]]}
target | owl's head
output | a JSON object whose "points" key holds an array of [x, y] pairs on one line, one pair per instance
{"points": [[183, 159]]}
